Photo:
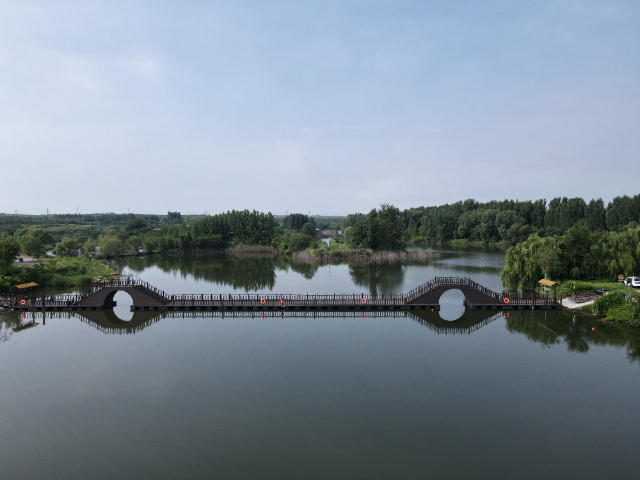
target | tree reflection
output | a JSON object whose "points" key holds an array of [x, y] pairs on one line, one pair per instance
{"points": [[577, 331], [546, 327], [377, 277], [248, 272]]}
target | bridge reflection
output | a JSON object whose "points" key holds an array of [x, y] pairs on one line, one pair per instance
{"points": [[547, 327], [107, 322]]}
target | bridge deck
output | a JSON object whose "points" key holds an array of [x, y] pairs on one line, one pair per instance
{"points": [[147, 297]]}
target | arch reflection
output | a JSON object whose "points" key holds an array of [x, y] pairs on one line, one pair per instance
{"points": [[108, 322]]}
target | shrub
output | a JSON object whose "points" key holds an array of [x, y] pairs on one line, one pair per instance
{"points": [[609, 301], [624, 313], [83, 280]]}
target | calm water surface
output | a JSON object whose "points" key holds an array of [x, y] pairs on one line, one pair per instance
{"points": [[450, 394]]}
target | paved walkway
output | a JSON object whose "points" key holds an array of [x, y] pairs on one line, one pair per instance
{"points": [[568, 303]]}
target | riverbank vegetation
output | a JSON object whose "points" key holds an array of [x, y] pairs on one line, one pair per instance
{"points": [[56, 272], [579, 254], [509, 222], [505, 223], [587, 261]]}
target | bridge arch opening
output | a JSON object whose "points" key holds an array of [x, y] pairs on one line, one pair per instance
{"points": [[452, 304], [122, 309]]}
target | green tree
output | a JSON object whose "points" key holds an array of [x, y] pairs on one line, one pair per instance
{"points": [[135, 224], [174, 217], [68, 247], [308, 229], [299, 241], [89, 248], [295, 221], [111, 247], [380, 230], [547, 256], [9, 250], [34, 240], [596, 215]]}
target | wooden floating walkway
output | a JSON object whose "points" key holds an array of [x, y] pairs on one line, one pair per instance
{"points": [[147, 297]]}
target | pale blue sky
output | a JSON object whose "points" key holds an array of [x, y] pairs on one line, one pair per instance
{"points": [[326, 107]]}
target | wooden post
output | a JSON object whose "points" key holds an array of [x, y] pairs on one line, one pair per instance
{"points": [[532, 304]]}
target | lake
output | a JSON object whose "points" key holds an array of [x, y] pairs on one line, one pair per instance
{"points": [[452, 394]]}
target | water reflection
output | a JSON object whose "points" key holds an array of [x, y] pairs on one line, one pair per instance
{"points": [[577, 331], [546, 327], [108, 322], [377, 278], [248, 272], [258, 272]]}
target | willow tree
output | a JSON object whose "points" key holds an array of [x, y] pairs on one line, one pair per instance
{"points": [[529, 261]]}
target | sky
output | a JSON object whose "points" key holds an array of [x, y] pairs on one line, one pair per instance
{"points": [[321, 107]]}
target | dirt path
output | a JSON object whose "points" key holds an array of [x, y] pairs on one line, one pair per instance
{"points": [[27, 261]]}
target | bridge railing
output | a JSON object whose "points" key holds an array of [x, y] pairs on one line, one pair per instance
{"points": [[436, 282], [276, 300], [485, 290], [532, 299]]}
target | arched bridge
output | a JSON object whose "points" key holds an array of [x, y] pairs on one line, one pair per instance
{"points": [[147, 297]]}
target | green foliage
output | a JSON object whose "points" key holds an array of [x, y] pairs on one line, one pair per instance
{"points": [[614, 299], [111, 247], [579, 254], [622, 211], [380, 230], [75, 219], [56, 272], [135, 224], [299, 241], [295, 222], [511, 222], [529, 261], [351, 220], [9, 249], [231, 228], [34, 240], [174, 217], [308, 229], [6, 282], [89, 248], [67, 248]]}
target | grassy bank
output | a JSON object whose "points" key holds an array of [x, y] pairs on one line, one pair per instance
{"points": [[417, 242], [57, 272], [339, 252], [622, 304]]}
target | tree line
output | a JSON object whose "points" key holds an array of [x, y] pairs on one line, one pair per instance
{"points": [[78, 219], [513, 221], [578, 254]]}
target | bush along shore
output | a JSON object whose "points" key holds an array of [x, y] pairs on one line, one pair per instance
{"points": [[619, 303], [57, 272]]}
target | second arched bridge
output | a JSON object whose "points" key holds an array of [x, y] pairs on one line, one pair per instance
{"points": [[147, 297]]}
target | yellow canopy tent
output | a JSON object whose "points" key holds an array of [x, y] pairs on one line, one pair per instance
{"points": [[547, 284], [25, 286]]}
